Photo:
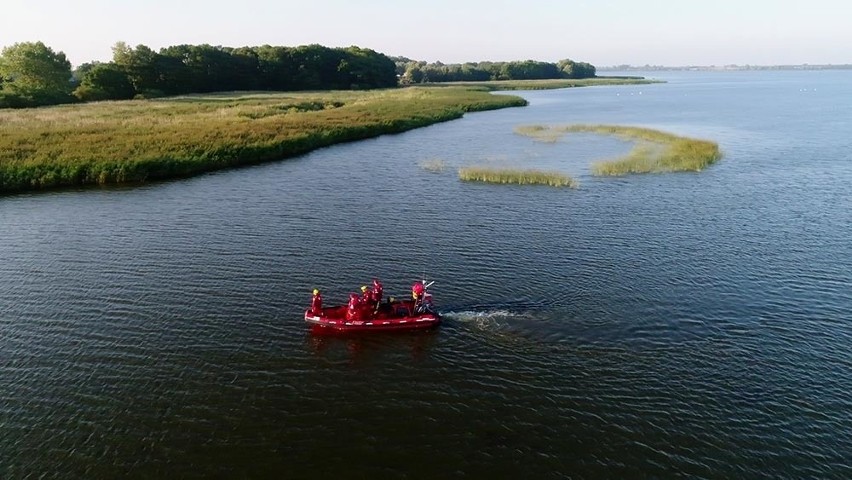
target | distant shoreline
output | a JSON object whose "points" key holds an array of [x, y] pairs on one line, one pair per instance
{"points": [[548, 84], [720, 68]]}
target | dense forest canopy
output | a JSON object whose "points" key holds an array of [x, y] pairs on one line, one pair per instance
{"points": [[204, 68], [412, 71], [142, 72]]}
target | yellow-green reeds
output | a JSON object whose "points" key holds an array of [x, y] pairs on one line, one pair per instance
{"points": [[138, 140], [516, 176], [655, 151], [540, 133]]}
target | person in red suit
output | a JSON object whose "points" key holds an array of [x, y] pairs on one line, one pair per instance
{"points": [[316, 303], [353, 311], [377, 294], [417, 291]]}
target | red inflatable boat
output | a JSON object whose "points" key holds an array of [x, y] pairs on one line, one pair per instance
{"points": [[391, 315]]}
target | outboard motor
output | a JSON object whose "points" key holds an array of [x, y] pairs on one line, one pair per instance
{"points": [[422, 298], [426, 306]]}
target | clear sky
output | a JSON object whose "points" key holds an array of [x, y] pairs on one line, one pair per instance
{"points": [[601, 32]]}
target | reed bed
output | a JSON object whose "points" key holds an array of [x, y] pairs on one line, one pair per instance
{"points": [[516, 176], [140, 140], [540, 133], [655, 151]]}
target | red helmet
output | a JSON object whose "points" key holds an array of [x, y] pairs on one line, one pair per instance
{"points": [[417, 288]]}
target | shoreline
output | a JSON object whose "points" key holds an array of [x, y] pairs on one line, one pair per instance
{"points": [[137, 141]]}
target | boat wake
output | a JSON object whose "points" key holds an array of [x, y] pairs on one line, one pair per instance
{"points": [[488, 319], [517, 331]]}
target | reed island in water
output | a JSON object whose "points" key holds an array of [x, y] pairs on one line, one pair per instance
{"points": [[653, 152]]}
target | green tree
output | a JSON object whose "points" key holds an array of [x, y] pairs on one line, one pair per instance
{"points": [[104, 81], [208, 68], [276, 68], [317, 67], [412, 74], [246, 67], [82, 70], [572, 69], [401, 64], [140, 65], [365, 68], [35, 74]]}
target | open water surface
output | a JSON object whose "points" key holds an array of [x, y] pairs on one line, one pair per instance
{"points": [[692, 324]]}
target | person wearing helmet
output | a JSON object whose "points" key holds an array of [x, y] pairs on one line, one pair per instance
{"points": [[417, 291], [353, 311], [377, 294], [366, 301], [316, 303]]}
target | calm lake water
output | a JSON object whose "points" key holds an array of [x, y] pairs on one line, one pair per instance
{"points": [[692, 324]]}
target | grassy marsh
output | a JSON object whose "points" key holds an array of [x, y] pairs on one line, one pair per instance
{"points": [[654, 152], [515, 176], [137, 140]]}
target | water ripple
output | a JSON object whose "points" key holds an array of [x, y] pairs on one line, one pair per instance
{"points": [[651, 326]]}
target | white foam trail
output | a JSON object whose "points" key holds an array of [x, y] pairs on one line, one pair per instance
{"points": [[491, 320], [474, 316]]}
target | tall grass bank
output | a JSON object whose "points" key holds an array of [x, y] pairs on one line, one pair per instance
{"points": [[140, 140]]}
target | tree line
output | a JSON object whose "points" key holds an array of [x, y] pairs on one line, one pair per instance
{"points": [[32, 74], [412, 71]]}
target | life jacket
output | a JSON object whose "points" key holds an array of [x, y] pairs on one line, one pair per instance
{"points": [[377, 291], [316, 304], [353, 312]]}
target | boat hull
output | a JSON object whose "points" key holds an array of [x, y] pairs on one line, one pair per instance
{"points": [[391, 317]]}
